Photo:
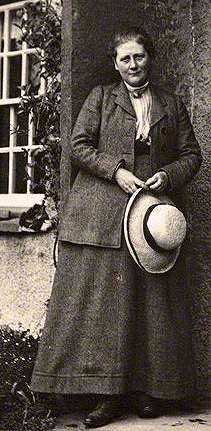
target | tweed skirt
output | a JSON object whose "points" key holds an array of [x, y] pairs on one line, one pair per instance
{"points": [[112, 328]]}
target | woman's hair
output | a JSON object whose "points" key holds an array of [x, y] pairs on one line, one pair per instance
{"points": [[130, 33]]}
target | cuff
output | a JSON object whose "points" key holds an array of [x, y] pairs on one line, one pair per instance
{"points": [[168, 186], [121, 164]]}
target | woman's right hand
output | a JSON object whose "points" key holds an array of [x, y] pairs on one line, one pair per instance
{"points": [[128, 181]]}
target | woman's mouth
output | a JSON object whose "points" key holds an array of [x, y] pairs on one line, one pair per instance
{"points": [[134, 73]]}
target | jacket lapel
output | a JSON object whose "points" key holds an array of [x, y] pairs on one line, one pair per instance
{"points": [[123, 98], [159, 106]]}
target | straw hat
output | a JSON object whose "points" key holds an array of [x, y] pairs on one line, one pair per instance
{"points": [[154, 230]]}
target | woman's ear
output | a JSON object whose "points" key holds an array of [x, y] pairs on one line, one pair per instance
{"points": [[115, 65]]}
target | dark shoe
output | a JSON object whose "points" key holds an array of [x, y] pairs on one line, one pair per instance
{"points": [[106, 411], [148, 407]]}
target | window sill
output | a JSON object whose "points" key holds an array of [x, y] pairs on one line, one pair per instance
{"points": [[11, 209], [12, 226], [18, 202]]}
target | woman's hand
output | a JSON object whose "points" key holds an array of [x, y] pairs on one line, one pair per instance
{"points": [[128, 182], [158, 182]]}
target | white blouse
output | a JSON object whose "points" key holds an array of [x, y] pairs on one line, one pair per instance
{"points": [[142, 106]]}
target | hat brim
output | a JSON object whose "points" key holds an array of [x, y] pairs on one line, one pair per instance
{"points": [[145, 256]]}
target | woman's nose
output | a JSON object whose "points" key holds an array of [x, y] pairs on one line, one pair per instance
{"points": [[133, 63]]}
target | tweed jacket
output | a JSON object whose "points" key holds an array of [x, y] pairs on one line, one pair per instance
{"points": [[104, 135]]}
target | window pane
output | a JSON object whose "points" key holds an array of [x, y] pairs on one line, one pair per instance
{"points": [[38, 171], [15, 76], [1, 32], [16, 32], [4, 126], [4, 173], [1, 76], [22, 135], [34, 72], [20, 173]]}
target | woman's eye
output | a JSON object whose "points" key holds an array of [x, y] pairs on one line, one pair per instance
{"points": [[140, 57]]}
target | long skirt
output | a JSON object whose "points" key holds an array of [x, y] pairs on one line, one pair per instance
{"points": [[112, 328]]}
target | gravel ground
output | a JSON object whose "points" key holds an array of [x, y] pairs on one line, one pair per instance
{"points": [[198, 421]]}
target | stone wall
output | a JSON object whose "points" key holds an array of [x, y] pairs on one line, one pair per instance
{"points": [[168, 22], [26, 273], [200, 274], [180, 31]]}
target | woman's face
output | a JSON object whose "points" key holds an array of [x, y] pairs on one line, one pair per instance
{"points": [[132, 61]]}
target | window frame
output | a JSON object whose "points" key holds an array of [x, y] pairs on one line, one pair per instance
{"points": [[17, 201]]}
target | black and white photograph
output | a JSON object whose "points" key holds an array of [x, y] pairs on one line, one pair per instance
{"points": [[105, 187]]}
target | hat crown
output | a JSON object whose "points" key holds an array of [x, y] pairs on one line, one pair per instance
{"points": [[154, 230], [167, 226]]}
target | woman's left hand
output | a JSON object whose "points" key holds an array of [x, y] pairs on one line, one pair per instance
{"points": [[158, 182]]}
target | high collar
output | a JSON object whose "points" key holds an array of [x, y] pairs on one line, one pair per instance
{"points": [[141, 87], [159, 105]]}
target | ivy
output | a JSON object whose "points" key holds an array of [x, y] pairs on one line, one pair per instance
{"points": [[41, 29]]}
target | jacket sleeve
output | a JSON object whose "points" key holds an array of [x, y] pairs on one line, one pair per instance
{"points": [[84, 142], [188, 154]]}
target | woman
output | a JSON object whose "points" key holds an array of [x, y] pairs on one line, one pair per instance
{"points": [[112, 328]]}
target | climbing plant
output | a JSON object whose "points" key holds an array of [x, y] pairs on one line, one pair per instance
{"points": [[40, 23]]}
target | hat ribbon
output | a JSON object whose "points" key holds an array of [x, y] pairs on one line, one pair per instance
{"points": [[148, 236]]}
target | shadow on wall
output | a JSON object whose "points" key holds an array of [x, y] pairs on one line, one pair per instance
{"points": [[199, 276], [168, 23]]}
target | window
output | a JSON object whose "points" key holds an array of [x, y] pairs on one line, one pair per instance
{"points": [[18, 67]]}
